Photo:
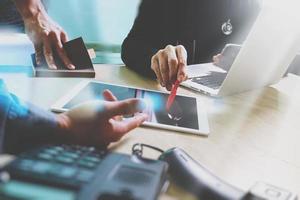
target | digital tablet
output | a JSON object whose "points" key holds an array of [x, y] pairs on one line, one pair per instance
{"points": [[187, 114]]}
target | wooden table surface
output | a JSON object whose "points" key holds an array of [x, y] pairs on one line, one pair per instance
{"points": [[255, 136]]}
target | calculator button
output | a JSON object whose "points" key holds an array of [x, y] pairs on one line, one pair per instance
{"points": [[64, 159], [62, 171], [84, 175], [55, 168], [51, 151], [25, 164], [45, 156], [41, 167], [77, 152], [67, 172], [58, 148], [87, 164], [70, 155], [91, 149], [85, 149], [99, 154], [92, 159]]}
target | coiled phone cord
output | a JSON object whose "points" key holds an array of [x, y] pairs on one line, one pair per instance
{"points": [[138, 148]]}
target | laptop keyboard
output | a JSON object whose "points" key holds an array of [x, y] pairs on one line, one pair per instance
{"points": [[213, 80]]}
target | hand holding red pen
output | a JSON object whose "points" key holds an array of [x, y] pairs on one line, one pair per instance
{"points": [[169, 65]]}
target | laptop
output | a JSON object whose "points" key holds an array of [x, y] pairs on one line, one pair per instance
{"points": [[262, 60]]}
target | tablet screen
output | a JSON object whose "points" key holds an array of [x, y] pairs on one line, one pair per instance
{"points": [[93, 91], [183, 112]]}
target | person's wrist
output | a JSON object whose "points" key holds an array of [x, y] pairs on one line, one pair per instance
{"points": [[30, 9]]}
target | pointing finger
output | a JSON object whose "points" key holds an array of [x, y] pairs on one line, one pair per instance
{"points": [[120, 128], [109, 96], [126, 107], [49, 54]]}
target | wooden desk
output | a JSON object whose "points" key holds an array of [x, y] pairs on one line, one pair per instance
{"points": [[255, 136]]}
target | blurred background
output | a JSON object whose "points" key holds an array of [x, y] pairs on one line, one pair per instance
{"points": [[102, 24]]}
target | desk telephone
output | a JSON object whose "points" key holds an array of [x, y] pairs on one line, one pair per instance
{"points": [[92, 174]]}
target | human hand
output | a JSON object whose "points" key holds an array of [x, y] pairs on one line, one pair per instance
{"points": [[99, 123], [226, 58], [169, 65], [47, 37], [216, 59], [109, 96]]}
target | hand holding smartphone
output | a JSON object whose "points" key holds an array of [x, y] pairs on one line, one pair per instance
{"points": [[226, 58]]}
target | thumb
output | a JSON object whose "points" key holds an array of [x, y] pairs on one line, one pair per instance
{"points": [[109, 96], [126, 107]]}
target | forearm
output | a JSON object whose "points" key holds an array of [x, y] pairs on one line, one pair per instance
{"points": [[28, 126], [144, 39], [29, 8]]}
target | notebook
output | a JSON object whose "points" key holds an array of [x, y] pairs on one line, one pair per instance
{"points": [[78, 55]]}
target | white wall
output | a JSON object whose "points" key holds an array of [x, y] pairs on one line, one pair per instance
{"points": [[106, 21]]}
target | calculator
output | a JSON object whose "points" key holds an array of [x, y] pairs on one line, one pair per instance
{"points": [[89, 173]]}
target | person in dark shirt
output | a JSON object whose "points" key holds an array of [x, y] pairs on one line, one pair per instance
{"points": [[169, 34]]}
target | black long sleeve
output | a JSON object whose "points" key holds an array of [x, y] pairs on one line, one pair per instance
{"points": [[143, 41]]}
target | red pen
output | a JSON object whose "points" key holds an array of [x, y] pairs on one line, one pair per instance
{"points": [[172, 95]]}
